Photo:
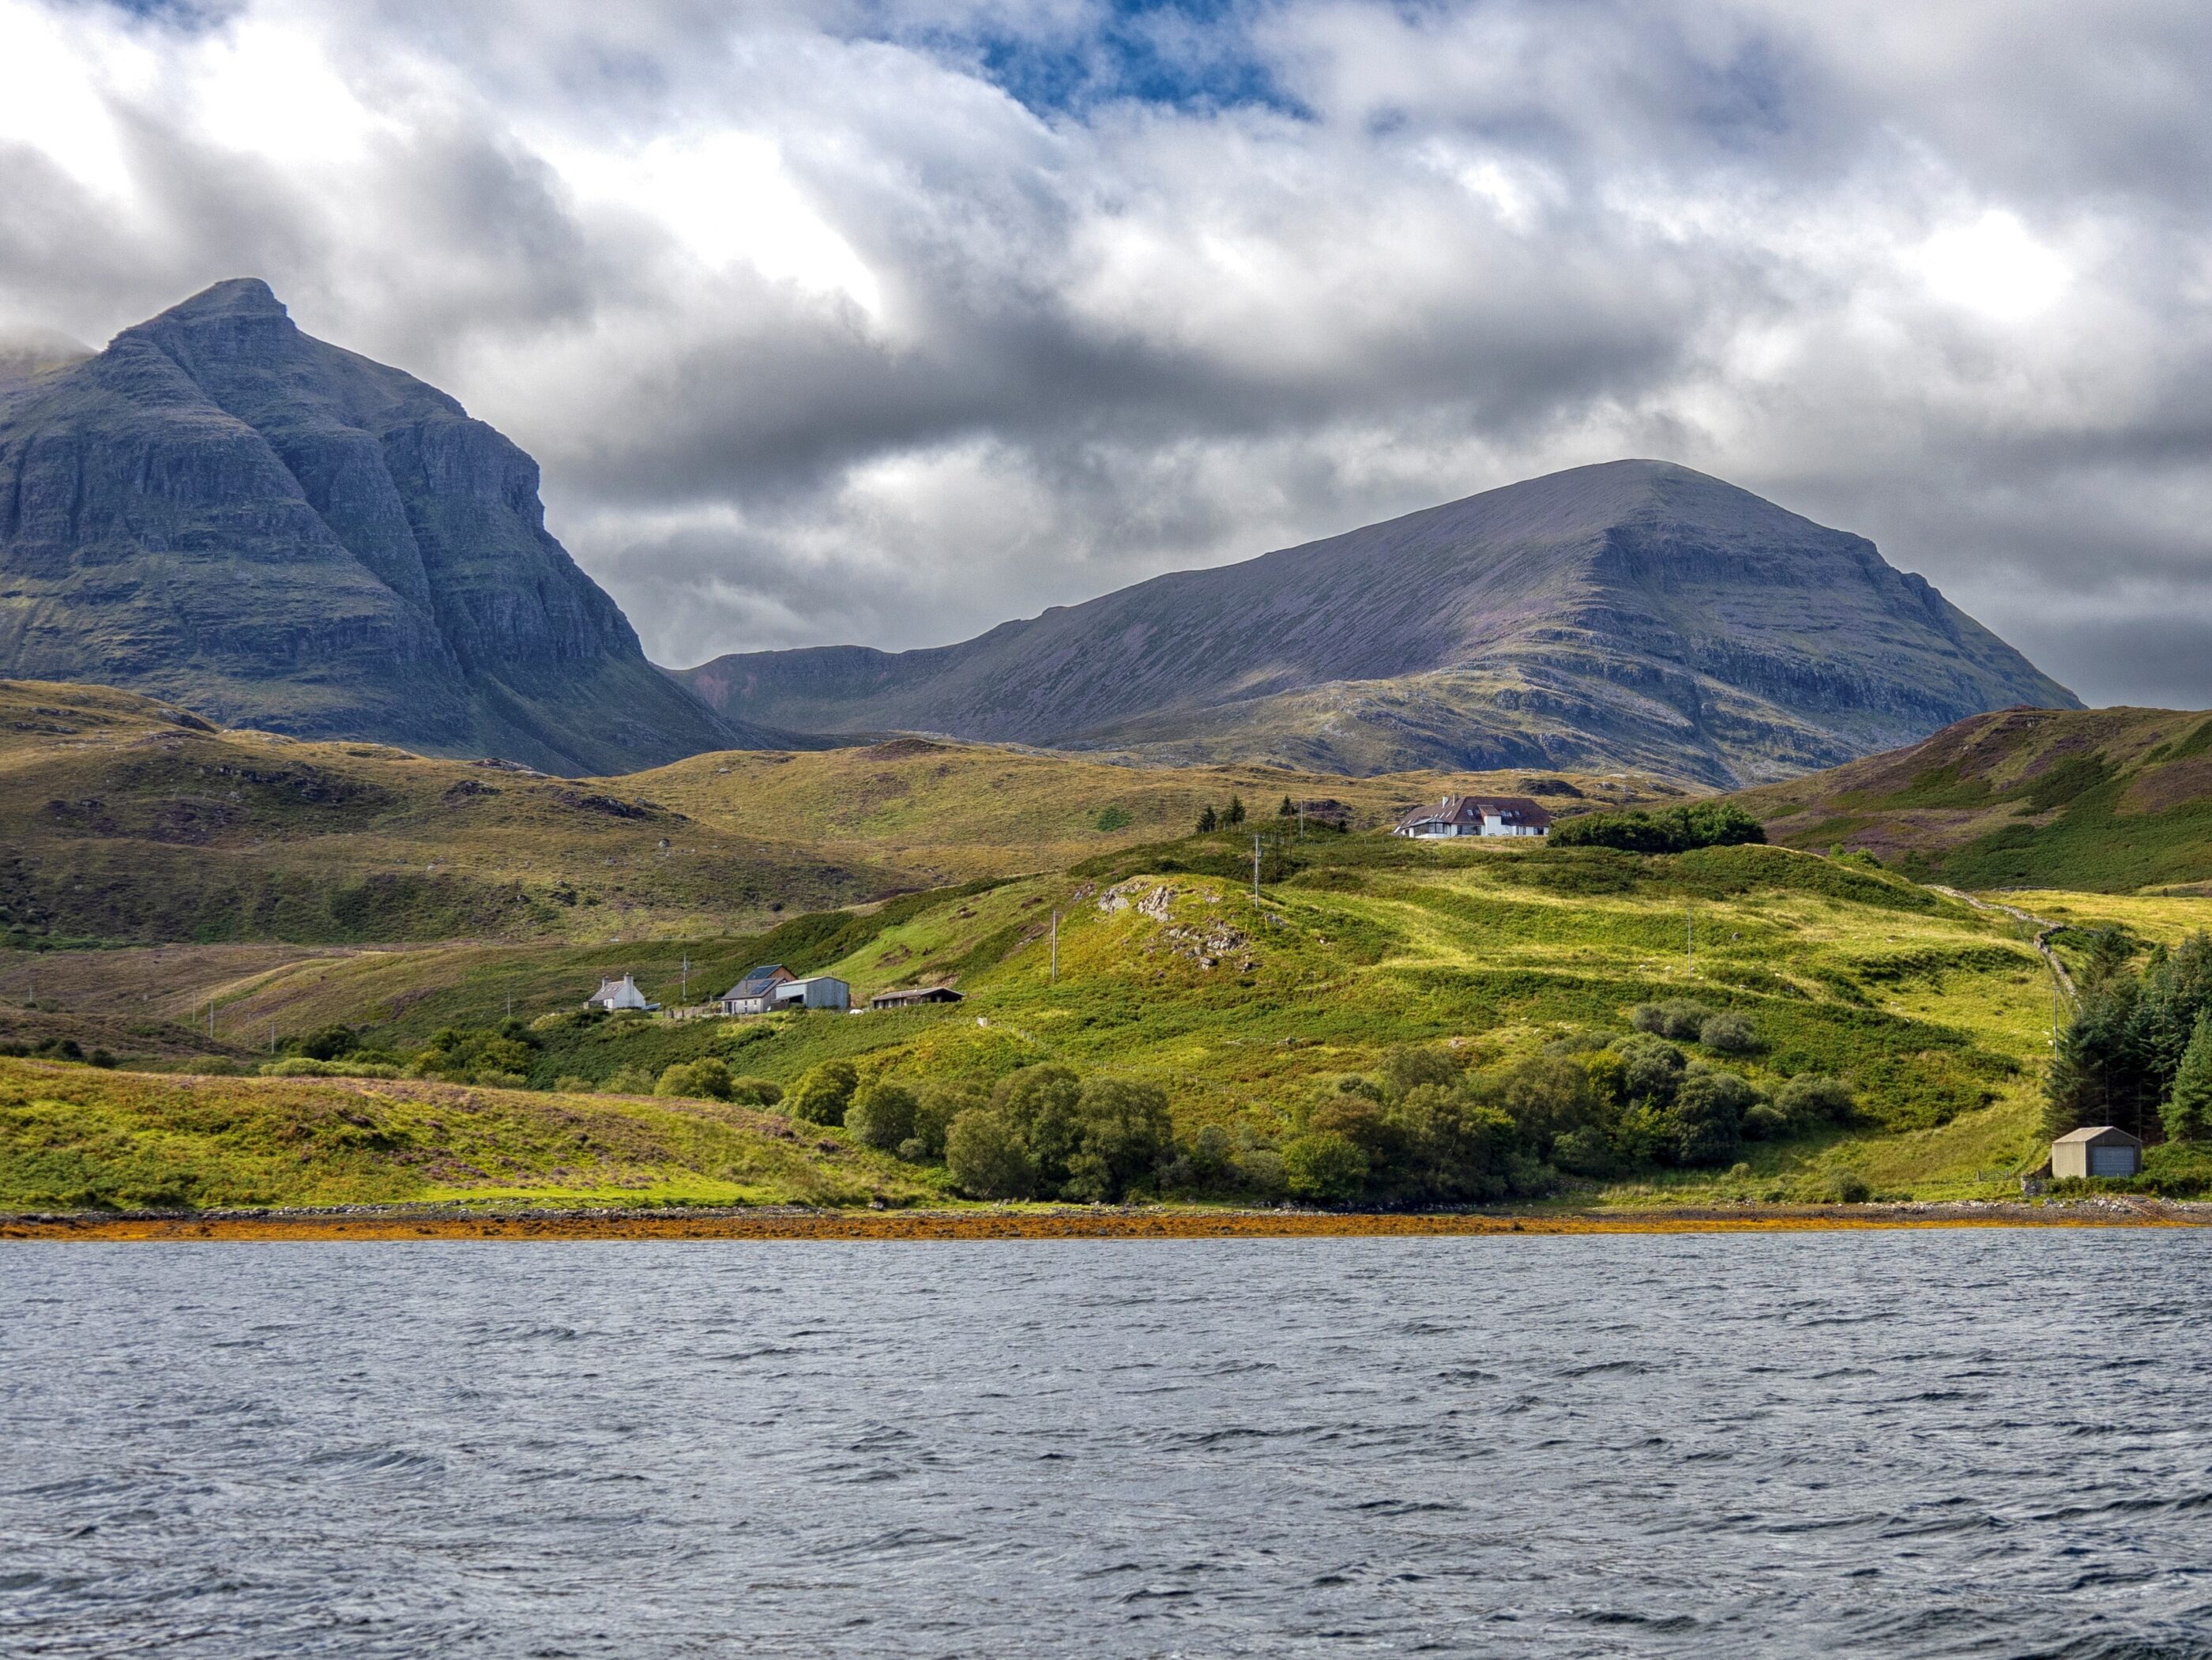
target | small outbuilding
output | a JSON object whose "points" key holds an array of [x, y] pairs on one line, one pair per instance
{"points": [[2101, 1150], [615, 996], [820, 991], [913, 997]]}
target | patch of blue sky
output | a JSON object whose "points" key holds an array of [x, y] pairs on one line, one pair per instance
{"points": [[1184, 54]]}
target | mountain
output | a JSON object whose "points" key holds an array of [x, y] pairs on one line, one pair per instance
{"points": [[221, 511], [2106, 800], [1631, 615]]}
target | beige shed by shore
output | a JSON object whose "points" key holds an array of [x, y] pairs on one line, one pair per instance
{"points": [[2101, 1150]]}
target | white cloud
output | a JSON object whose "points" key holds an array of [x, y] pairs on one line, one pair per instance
{"points": [[822, 333]]}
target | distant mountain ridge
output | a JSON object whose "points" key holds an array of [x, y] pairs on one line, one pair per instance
{"points": [[1634, 614], [223, 511]]}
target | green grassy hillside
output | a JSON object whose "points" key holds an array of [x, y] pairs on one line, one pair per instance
{"points": [[78, 1138], [125, 819], [949, 811], [2100, 800], [1250, 1019]]}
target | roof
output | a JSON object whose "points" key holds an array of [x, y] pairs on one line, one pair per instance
{"points": [[1472, 809], [918, 994], [2105, 1133], [758, 980]]}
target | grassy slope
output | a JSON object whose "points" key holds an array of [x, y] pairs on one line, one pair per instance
{"points": [[2100, 799], [951, 812], [124, 819], [121, 819], [1938, 1013], [75, 1137]]}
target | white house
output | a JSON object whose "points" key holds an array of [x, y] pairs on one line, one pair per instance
{"points": [[1476, 815], [616, 994]]}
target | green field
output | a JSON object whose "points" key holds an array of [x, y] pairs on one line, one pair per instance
{"points": [[1250, 1017]]}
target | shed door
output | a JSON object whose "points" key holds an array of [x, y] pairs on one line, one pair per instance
{"points": [[2111, 1161]]}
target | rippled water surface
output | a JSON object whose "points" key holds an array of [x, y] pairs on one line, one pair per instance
{"points": [[1887, 1443]]}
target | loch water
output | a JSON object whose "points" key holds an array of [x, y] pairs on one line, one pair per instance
{"points": [[1955, 1442]]}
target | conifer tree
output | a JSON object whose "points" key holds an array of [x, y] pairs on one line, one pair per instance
{"points": [[1288, 810], [1235, 815], [1207, 820], [2188, 1111]]}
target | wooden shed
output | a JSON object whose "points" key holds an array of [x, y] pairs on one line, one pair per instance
{"points": [[2102, 1151]]}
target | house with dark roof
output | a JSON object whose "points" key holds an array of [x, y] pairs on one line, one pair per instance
{"points": [[755, 994], [1475, 815]]}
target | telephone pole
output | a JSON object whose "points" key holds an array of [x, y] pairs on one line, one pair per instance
{"points": [[1256, 872]]}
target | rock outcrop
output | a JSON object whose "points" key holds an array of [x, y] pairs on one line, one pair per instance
{"points": [[223, 512]]}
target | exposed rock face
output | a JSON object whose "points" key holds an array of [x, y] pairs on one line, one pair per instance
{"points": [[1635, 614], [221, 511]]}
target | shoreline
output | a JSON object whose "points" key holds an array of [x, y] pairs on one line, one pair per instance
{"points": [[1076, 1222]]}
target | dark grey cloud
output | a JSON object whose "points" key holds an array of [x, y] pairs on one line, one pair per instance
{"points": [[886, 319]]}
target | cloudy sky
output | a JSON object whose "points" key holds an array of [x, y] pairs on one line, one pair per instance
{"points": [[884, 322]]}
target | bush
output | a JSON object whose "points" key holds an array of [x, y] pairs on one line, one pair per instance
{"points": [[1650, 1069], [1324, 1168], [1043, 1103], [326, 1043], [1728, 1033], [1670, 830], [1405, 1069], [934, 1113], [754, 1091], [882, 1114], [305, 1066], [1705, 1122], [824, 1093], [1679, 1018], [707, 1078], [1853, 1188], [984, 1150], [1812, 1099], [1127, 1139], [1204, 1166], [1766, 1122], [628, 1080]]}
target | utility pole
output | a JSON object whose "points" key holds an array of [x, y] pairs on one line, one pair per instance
{"points": [[1256, 872], [684, 997]]}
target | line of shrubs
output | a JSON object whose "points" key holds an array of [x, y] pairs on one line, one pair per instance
{"points": [[1665, 829], [1423, 1130], [58, 1048]]}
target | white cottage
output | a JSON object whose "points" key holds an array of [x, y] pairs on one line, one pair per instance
{"points": [[615, 995]]}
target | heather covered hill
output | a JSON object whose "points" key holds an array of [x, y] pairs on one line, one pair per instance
{"points": [[221, 511], [125, 819], [2100, 799], [1634, 614]]}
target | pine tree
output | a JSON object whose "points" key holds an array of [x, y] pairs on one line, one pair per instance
{"points": [[1207, 820], [1288, 810], [1235, 815], [2188, 1110]]}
